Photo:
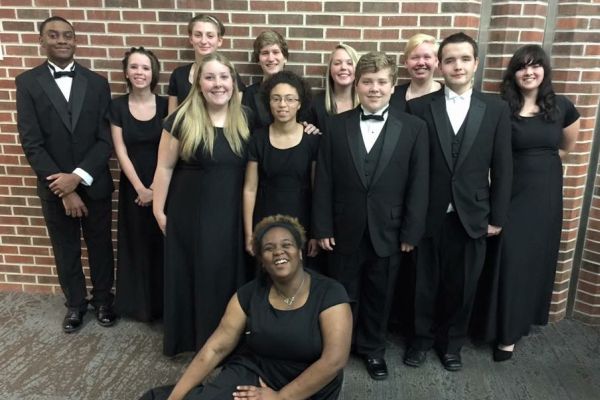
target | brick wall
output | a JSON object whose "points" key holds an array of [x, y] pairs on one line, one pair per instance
{"points": [[105, 28]]}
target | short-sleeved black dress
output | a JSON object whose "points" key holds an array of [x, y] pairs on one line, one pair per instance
{"points": [[139, 286], [527, 251], [284, 176], [204, 252], [179, 82], [277, 345]]}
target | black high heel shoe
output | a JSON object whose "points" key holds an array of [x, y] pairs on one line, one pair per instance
{"points": [[502, 355]]}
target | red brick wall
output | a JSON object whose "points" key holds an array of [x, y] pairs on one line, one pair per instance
{"points": [[106, 28]]}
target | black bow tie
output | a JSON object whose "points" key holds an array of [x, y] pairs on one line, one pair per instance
{"points": [[60, 74], [374, 117]]}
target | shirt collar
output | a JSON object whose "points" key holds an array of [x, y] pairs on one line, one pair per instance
{"points": [[55, 67], [378, 112], [452, 95]]}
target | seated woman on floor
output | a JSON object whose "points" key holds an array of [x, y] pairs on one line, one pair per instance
{"points": [[296, 325]]}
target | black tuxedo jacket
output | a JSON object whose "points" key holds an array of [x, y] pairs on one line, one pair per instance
{"points": [[393, 206], [479, 184], [58, 136]]}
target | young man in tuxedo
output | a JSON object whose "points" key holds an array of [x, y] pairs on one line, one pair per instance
{"points": [[470, 184], [60, 118], [370, 200]]}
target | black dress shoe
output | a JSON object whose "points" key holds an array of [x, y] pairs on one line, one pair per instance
{"points": [[377, 368], [414, 357], [105, 315], [73, 321], [451, 362], [502, 355]]}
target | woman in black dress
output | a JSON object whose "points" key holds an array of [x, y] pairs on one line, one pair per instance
{"points": [[136, 124], [295, 327], [206, 36], [201, 162], [544, 130], [281, 159], [339, 94], [421, 61]]}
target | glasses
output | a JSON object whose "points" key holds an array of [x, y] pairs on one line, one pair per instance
{"points": [[286, 99]]}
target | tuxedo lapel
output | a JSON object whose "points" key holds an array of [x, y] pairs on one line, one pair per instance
{"points": [[393, 128], [354, 140], [78, 92], [473, 124], [46, 81], [440, 118]]}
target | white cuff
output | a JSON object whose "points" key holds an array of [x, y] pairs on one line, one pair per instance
{"points": [[86, 178]]}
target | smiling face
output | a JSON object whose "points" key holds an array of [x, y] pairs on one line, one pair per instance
{"points": [[342, 68], [458, 65], [421, 62], [139, 70], [374, 89], [205, 38], [216, 84], [271, 60], [280, 254], [58, 40], [284, 102], [529, 78]]}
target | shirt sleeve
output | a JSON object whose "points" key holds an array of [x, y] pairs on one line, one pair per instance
{"points": [[172, 90], [571, 113], [253, 147], [86, 178], [244, 295], [114, 114], [334, 294]]}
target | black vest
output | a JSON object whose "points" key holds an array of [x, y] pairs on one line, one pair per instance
{"points": [[371, 159], [456, 139]]}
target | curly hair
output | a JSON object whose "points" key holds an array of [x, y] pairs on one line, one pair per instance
{"points": [[530, 54], [291, 224], [289, 78]]}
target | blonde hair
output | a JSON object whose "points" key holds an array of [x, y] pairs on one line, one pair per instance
{"points": [[417, 40], [194, 123], [329, 86]]}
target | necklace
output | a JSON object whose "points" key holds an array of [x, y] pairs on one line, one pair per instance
{"points": [[289, 301]]}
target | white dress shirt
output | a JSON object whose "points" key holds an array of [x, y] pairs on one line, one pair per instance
{"points": [[371, 129], [64, 83], [457, 107]]}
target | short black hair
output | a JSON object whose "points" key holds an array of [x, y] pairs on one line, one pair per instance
{"points": [[292, 79], [154, 63], [54, 18], [286, 222], [459, 37]]}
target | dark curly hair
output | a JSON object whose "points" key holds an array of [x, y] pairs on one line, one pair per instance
{"points": [[292, 79], [530, 54], [154, 63], [291, 224]]}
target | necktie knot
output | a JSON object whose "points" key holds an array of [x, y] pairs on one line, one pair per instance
{"points": [[374, 117]]}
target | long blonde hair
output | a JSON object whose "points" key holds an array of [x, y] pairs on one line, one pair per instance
{"points": [[194, 123], [329, 86]]}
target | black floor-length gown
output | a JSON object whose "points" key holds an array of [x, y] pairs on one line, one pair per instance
{"points": [[139, 285], [284, 176], [204, 252], [524, 257]]}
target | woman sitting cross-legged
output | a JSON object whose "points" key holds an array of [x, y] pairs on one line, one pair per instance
{"points": [[296, 327]]}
